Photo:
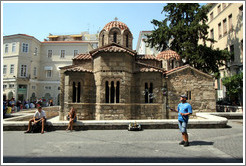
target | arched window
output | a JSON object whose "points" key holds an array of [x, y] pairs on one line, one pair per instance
{"points": [[112, 92], [146, 93], [126, 40], [74, 92], [172, 64], [115, 37], [78, 93], [102, 40], [106, 92], [118, 92], [151, 93]]}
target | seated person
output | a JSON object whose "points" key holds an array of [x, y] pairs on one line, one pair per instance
{"points": [[72, 118], [39, 117]]}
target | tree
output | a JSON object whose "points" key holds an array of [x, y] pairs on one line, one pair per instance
{"points": [[184, 26], [234, 86]]}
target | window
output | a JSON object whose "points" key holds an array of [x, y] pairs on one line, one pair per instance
{"points": [[230, 22], [149, 96], [76, 92], [23, 71], [35, 51], [188, 94], [4, 87], [219, 30], [12, 66], [241, 11], [115, 37], [126, 40], [33, 87], [47, 87], [112, 93], [13, 47], [241, 47], [232, 53], [106, 92], [62, 53], [103, 40], [35, 71], [212, 33], [24, 47], [211, 16], [219, 9], [6, 48], [4, 69], [75, 52], [49, 53], [48, 73], [224, 27], [223, 5], [11, 85]]}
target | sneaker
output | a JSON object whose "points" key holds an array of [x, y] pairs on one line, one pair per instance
{"points": [[27, 131], [182, 142], [186, 144]]}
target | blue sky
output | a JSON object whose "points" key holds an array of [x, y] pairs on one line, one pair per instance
{"points": [[40, 19]]}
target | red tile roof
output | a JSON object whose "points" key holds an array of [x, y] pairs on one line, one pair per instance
{"points": [[118, 24], [69, 42], [147, 57], [113, 47], [149, 68], [168, 54], [82, 57], [75, 68], [177, 69]]}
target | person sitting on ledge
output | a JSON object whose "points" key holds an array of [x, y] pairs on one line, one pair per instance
{"points": [[72, 118], [39, 117]]}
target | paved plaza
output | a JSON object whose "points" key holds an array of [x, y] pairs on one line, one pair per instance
{"points": [[224, 145]]}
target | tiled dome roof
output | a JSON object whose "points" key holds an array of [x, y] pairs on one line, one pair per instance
{"points": [[118, 24], [168, 54]]}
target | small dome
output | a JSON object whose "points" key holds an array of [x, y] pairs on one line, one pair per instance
{"points": [[118, 24], [168, 54]]}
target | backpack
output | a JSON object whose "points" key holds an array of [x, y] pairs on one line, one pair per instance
{"points": [[36, 128]]}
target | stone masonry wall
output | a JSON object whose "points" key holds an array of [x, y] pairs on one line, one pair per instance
{"points": [[200, 85]]}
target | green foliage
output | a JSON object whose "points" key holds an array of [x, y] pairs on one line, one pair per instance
{"points": [[234, 85], [184, 26]]}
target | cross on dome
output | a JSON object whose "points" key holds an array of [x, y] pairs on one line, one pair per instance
{"points": [[116, 19]]}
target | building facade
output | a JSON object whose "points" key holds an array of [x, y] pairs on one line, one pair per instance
{"points": [[31, 67], [115, 82], [225, 21]]}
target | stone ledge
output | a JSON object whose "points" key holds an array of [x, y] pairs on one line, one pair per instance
{"points": [[210, 120]]}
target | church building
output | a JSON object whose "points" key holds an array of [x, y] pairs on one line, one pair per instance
{"points": [[113, 82]]}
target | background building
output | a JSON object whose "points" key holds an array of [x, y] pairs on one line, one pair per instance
{"points": [[31, 67], [225, 21]]}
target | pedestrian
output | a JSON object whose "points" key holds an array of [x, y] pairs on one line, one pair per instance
{"points": [[39, 117], [184, 110], [72, 118]]}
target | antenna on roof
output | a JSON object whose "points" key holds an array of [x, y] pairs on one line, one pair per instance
{"points": [[116, 19]]}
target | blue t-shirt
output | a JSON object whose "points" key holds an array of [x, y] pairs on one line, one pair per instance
{"points": [[184, 108]]}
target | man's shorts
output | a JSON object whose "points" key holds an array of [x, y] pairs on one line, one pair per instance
{"points": [[182, 126]]}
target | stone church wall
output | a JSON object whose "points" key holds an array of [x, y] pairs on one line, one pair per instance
{"points": [[200, 85]]}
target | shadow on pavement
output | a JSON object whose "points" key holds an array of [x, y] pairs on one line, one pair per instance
{"points": [[198, 143], [11, 159]]}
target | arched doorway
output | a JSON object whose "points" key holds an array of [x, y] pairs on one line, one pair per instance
{"points": [[33, 97], [47, 97], [10, 95]]}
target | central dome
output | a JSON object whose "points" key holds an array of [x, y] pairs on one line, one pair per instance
{"points": [[118, 24], [116, 32]]}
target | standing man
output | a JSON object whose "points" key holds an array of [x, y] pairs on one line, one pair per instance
{"points": [[39, 117], [184, 110]]}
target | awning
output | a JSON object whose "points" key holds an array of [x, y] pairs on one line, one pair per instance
{"points": [[48, 68], [76, 35], [52, 36]]}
